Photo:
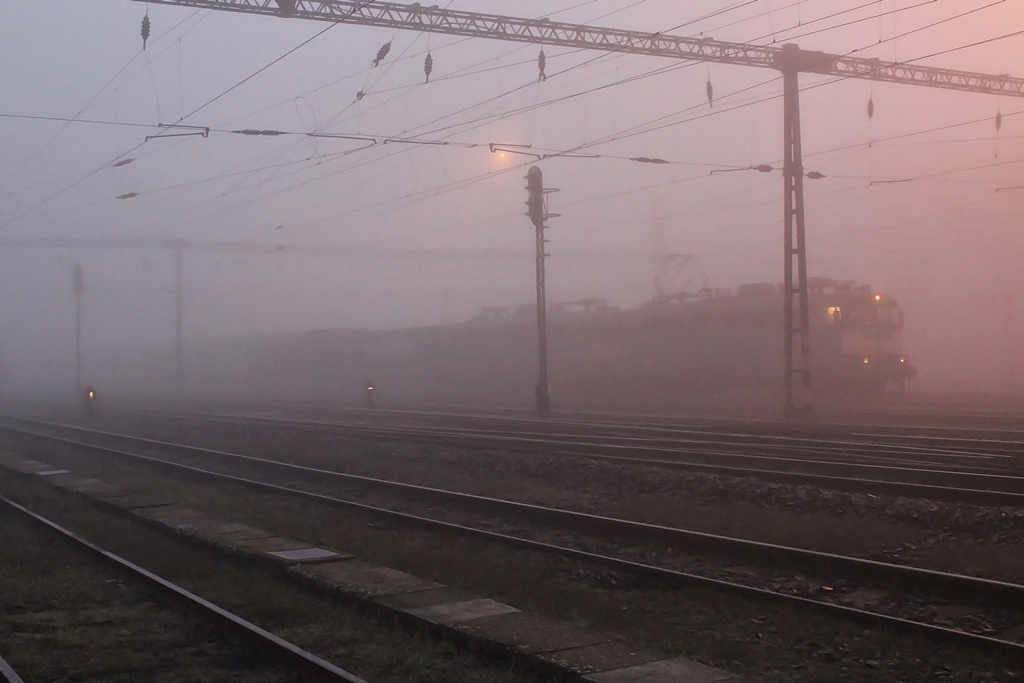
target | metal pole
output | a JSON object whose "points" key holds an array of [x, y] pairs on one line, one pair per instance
{"points": [[798, 399], [178, 337], [543, 399], [537, 210], [78, 285]]}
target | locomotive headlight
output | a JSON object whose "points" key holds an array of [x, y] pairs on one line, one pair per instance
{"points": [[903, 359], [878, 297], [867, 360]]}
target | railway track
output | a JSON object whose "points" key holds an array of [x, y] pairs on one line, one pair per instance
{"points": [[902, 593], [297, 663], [981, 471], [8, 672], [981, 451], [942, 409], [952, 425]]}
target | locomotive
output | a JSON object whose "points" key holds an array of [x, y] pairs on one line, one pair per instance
{"points": [[735, 338], [675, 351]]}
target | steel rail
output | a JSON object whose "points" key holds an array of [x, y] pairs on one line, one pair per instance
{"points": [[828, 474], [9, 674], [1000, 593], [940, 487], [284, 650], [1003, 441], [941, 581], [864, 450], [1011, 443], [839, 445], [999, 440]]}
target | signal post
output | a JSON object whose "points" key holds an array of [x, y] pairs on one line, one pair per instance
{"points": [[536, 210]]}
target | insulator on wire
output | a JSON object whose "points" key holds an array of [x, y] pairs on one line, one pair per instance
{"points": [[999, 124], [145, 30], [360, 95], [542, 62], [711, 94], [428, 66], [382, 53], [871, 115]]}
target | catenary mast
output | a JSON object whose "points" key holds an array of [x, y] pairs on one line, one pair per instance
{"points": [[788, 59]]}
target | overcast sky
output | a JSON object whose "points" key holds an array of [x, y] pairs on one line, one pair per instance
{"points": [[430, 228]]}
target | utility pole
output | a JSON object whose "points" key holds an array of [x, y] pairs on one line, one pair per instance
{"points": [[78, 285], [797, 323], [179, 361], [536, 209]]}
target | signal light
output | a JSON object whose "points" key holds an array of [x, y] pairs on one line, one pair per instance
{"points": [[535, 200]]}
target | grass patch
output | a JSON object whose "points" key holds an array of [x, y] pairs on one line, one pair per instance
{"points": [[378, 650]]}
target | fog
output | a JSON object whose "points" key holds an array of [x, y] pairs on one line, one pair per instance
{"points": [[405, 208]]}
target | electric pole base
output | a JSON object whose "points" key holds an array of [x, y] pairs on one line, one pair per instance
{"points": [[543, 402], [799, 413]]}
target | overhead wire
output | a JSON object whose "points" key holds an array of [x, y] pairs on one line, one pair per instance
{"points": [[1011, 34], [429, 194], [962, 47], [183, 118], [456, 186], [851, 52], [945, 21], [325, 125], [336, 118], [89, 103], [602, 55], [842, 78], [578, 94], [80, 179]]}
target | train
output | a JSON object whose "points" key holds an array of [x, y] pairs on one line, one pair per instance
{"points": [[713, 346]]}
